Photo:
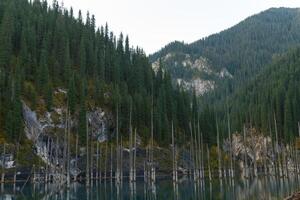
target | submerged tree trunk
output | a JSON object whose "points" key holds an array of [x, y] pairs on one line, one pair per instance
{"points": [[208, 163], [76, 157], [87, 154], [68, 158], [134, 157], [219, 153]]}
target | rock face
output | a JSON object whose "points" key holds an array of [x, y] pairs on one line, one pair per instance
{"points": [[256, 148], [191, 72], [33, 128], [7, 161], [38, 131], [99, 124], [201, 86], [47, 132]]}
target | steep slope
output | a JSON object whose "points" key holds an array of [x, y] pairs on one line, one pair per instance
{"points": [[242, 50], [273, 93], [57, 65], [191, 71]]}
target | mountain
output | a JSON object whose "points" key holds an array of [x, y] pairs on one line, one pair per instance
{"points": [[234, 55]]}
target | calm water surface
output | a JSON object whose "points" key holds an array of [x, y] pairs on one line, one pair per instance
{"points": [[261, 188]]}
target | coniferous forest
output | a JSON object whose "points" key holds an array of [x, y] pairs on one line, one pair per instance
{"points": [[44, 47], [79, 104], [257, 52]]}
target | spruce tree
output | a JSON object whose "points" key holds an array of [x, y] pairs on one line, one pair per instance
{"points": [[72, 95], [6, 34], [67, 67]]}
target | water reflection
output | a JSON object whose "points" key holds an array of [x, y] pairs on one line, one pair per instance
{"points": [[260, 188]]}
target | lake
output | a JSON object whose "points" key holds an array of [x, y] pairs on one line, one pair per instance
{"points": [[259, 188]]}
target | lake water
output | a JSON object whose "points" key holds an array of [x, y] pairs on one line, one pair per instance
{"points": [[260, 188]]}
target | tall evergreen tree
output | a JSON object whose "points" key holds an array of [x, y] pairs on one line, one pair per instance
{"points": [[6, 36]]}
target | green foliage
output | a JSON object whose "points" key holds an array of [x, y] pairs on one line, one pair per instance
{"points": [[258, 90], [273, 93], [55, 50], [72, 95]]}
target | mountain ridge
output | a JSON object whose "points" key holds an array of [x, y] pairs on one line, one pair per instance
{"points": [[244, 48]]}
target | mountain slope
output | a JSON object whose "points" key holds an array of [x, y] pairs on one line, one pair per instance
{"points": [[242, 50], [52, 62], [273, 93]]}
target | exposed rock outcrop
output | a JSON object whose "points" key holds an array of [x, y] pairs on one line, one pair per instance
{"points": [[47, 132], [256, 148], [191, 72]]}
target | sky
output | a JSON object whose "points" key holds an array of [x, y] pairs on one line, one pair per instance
{"points": [[152, 24]]}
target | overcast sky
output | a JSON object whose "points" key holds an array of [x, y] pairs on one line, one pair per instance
{"points": [[151, 24]]}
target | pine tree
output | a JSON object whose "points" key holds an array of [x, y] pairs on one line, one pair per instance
{"points": [[13, 123], [82, 57], [288, 118], [67, 67], [100, 54], [49, 96], [43, 72], [72, 95], [6, 34]]}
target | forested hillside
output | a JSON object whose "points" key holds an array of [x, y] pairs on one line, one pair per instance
{"points": [[256, 91], [45, 48], [274, 94], [242, 50], [248, 45]]}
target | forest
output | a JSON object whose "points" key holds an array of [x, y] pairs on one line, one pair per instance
{"points": [[45, 47], [260, 54]]}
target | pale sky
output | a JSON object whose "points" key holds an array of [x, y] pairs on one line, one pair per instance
{"points": [[151, 24]]}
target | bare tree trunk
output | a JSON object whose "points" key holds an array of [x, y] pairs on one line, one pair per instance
{"points": [[56, 159], [92, 160], [87, 154], [208, 163], [265, 157], [134, 157], [65, 145], [199, 147], [111, 163], [117, 173], [121, 161], [202, 155], [47, 161], [34, 175], [130, 149], [173, 154], [296, 152], [231, 173], [97, 161], [3, 165], [245, 154], [219, 153], [106, 155], [196, 153], [192, 154], [277, 148], [68, 159], [76, 157], [152, 149], [100, 170]]}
